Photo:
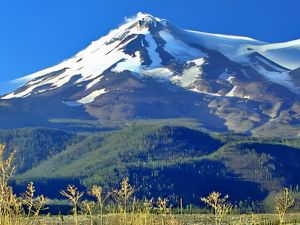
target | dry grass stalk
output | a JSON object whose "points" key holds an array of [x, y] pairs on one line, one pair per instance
{"points": [[73, 195], [10, 206], [220, 205], [97, 192], [123, 195], [34, 204], [88, 208], [163, 209], [147, 208], [283, 201]]}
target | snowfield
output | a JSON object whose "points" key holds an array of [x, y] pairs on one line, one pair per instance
{"points": [[109, 52]]}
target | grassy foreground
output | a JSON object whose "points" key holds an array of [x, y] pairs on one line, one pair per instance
{"points": [[177, 219]]}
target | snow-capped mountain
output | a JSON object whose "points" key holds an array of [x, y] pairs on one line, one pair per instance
{"points": [[149, 68]]}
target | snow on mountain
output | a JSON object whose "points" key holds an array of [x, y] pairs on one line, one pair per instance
{"points": [[178, 48], [106, 52], [286, 54], [229, 45], [89, 63], [149, 68], [146, 45], [91, 97]]}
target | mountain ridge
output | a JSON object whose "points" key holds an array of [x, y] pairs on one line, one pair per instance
{"points": [[150, 69], [147, 17]]}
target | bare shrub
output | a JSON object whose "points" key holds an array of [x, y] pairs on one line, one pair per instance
{"points": [[283, 201], [219, 205], [73, 195]]}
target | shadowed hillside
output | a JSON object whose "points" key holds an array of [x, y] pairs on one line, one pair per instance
{"points": [[176, 161]]}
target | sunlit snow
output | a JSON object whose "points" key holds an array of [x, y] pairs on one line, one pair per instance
{"points": [[89, 64], [92, 96]]}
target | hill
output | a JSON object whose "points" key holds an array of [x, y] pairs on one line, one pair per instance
{"points": [[175, 161]]}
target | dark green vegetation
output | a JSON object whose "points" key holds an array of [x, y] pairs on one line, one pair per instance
{"points": [[35, 145], [175, 161]]}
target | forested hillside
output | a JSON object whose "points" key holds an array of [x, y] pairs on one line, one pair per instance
{"points": [[177, 161]]}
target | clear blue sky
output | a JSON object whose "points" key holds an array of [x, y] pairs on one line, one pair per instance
{"points": [[35, 34]]}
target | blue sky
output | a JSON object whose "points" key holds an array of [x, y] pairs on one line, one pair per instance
{"points": [[36, 34]]}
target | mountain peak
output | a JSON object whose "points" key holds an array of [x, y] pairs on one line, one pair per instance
{"points": [[142, 15], [146, 17], [145, 20]]}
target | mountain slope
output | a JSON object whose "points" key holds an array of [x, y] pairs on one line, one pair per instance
{"points": [[285, 54], [150, 69]]}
